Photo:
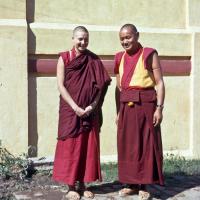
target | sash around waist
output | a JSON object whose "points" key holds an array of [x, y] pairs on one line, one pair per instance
{"points": [[138, 96]]}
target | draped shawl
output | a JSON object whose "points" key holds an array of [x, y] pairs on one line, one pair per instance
{"points": [[85, 78]]}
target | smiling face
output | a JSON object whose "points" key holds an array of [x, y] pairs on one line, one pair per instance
{"points": [[80, 40], [129, 39]]}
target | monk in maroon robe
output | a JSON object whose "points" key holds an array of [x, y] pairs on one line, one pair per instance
{"points": [[140, 106], [82, 83]]}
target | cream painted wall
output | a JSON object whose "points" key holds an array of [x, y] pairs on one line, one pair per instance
{"points": [[46, 38], [195, 93], [47, 114], [13, 9], [13, 76], [151, 13], [172, 27], [193, 9], [108, 135], [175, 126], [13, 88]]}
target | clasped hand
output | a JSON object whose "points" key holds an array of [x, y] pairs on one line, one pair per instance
{"points": [[83, 112]]}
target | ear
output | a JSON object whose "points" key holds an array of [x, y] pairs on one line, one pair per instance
{"points": [[137, 35]]}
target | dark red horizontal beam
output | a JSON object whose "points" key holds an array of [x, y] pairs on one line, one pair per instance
{"points": [[171, 67], [176, 67]]}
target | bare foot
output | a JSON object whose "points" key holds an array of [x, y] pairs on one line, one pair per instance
{"points": [[128, 191], [88, 194], [144, 195], [72, 195]]}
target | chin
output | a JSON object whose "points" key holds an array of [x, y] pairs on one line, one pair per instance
{"points": [[128, 50], [81, 50]]}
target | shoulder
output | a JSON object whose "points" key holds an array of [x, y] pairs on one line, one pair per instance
{"points": [[63, 53], [117, 60], [148, 51], [148, 54], [119, 55], [65, 56]]}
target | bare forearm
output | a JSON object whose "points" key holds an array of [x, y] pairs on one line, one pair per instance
{"points": [[160, 88], [66, 96]]}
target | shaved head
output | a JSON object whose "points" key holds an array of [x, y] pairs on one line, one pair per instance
{"points": [[80, 28], [129, 26]]}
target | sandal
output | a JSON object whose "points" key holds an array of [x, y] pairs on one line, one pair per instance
{"points": [[72, 195], [144, 195], [88, 194], [128, 191]]}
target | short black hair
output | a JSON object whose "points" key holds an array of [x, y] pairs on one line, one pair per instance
{"points": [[80, 28], [131, 26]]}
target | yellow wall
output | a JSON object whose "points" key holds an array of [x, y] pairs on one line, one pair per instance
{"points": [[13, 76], [175, 126], [13, 9], [30, 102], [152, 13]]}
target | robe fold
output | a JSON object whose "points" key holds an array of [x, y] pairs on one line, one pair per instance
{"points": [[85, 77]]}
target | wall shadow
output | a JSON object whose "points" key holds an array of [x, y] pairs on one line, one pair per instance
{"points": [[30, 11], [32, 116], [32, 83]]}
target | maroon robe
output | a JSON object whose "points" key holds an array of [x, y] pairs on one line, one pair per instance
{"points": [[77, 156], [139, 143], [85, 77]]}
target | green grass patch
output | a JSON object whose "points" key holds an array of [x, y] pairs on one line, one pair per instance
{"points": [[173, 165], [109, 171], [178, 165]]}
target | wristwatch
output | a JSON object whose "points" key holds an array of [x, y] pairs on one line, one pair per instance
{"points": [[159, 106]]}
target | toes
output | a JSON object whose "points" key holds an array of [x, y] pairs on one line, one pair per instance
{"points": [[128, 191], [73, 195], [144, 195], [88, 194]]}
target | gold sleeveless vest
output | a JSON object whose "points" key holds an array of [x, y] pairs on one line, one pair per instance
{"points": [[141, 76]]}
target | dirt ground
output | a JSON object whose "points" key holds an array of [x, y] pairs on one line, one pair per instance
{"points": [[39, 180]]}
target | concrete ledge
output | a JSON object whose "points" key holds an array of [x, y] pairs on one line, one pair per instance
{"points": [[48, 160]]}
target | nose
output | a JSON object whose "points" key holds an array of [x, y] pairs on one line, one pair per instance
{"points": [[84, 42], [125, 41]]}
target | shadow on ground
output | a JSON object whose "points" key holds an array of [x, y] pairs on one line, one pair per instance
{"points": [[176, 187], [42, 187]]}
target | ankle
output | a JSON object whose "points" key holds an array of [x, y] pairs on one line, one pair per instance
{"points": [[131, 186], [143, 187], [72, 187], [81, 186], [135, 186]]}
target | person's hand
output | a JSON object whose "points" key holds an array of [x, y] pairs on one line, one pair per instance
{"points": [[157, 117], [88, 110], [79, 111]]}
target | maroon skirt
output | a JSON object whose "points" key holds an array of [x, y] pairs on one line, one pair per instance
{"points": [[78, 159], [140, 156]]}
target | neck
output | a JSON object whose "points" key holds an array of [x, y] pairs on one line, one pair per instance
{"points": [[77, 52]]}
